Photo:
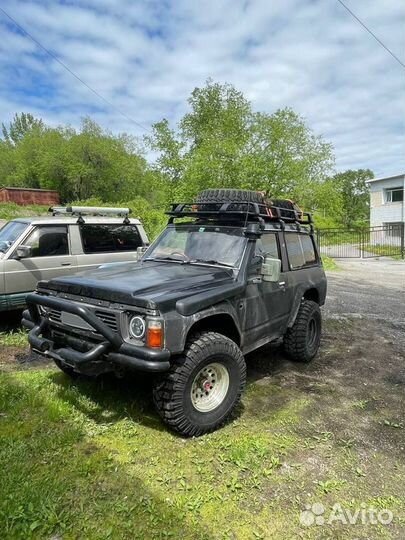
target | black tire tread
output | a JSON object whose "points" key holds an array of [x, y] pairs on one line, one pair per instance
{"points": [[295, 339], [225, 195], [167, 392]]}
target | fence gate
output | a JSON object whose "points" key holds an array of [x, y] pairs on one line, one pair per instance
{"points": [[383, 241]]}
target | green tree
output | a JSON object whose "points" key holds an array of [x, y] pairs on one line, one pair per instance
{"points": [[88, 162], [222, 142], [354, 195], [20, 125]]}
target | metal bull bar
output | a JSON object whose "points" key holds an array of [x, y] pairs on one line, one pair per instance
{"points": [[113, 347]]}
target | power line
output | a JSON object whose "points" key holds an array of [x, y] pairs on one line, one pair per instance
{"points": [[50, 53], [371, 32]]}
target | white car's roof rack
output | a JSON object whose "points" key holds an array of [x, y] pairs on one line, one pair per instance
{"points": [[81, 211]]}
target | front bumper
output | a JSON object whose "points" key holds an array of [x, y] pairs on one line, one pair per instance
{"points": [[111, 349]]}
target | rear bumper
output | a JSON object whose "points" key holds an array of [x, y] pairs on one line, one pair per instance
{"points": [[111, 349]]}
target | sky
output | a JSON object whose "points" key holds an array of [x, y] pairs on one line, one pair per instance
{"points": [[145, 57]]}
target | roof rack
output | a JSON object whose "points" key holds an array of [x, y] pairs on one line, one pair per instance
{"points": [[81, 211], [237, 211]]}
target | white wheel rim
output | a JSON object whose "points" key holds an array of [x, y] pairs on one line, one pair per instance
{"points": [[210, 387]]}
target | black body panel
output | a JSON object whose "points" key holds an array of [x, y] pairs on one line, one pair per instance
{"points": [[149, 284]]}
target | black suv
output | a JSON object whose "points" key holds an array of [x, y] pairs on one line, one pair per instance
{"points": [[230, 273]]}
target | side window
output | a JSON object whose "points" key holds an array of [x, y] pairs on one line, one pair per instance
{"points": [[48, 241], [308, 249], [267, 244], [300, 250], [109, 238]]}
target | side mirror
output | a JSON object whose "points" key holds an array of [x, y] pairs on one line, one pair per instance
{"points": [[140, 252], [23, 252], [271, 269]]}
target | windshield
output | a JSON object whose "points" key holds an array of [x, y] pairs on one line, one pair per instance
{"points": [[199, 244], [9, 234]]}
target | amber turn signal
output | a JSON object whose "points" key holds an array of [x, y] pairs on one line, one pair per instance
{"points": [[155, 334]]}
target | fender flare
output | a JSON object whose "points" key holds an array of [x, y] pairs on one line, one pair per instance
{"points": [[299, 296], [213, 311]]}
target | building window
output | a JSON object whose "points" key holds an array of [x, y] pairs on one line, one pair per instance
{"points": [[393, 230], [394, 195]]}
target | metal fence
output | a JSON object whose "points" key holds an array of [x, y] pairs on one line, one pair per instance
{"points": [[383, 241]]}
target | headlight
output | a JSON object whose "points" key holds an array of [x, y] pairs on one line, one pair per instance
{"points": [[137, 327]]}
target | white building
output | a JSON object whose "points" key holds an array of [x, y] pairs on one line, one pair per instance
{"points": [[387, 207]]}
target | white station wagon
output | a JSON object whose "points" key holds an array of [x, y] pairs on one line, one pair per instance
{"points": [[73, 239]]}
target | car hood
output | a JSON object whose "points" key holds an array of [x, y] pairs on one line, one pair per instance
{"points": [[149, 284]]}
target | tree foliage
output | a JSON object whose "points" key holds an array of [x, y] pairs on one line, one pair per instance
{"points": [[354, 195], [222, 142], [20, 125], [79, 164]]}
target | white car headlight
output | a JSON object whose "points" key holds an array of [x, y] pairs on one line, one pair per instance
{"points": [[137, 327]]}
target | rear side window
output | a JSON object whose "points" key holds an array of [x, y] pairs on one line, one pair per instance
{"points": [[308, 249], [300, 249], [109, 238]]}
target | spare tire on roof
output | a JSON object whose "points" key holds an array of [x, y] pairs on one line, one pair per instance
{"points": [[287, 208], [213, 199]]}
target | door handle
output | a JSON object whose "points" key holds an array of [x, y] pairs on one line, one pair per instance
{"points": [[66, 264], [257, 279]]}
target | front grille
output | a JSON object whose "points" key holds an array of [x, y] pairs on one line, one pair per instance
{"points": [[107, 317], [110, 319], [55, 315]]}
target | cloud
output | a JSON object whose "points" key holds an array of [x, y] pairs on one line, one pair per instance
{"points": [[146, 57]]}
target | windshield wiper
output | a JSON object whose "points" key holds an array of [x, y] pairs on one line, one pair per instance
{"points": [[211, 261], [169, 258], [189, 261]]}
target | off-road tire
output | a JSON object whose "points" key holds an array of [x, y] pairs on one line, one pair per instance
{"points": [[301, 342], [66, 369], [287, 208], [172, 391], [219, 196]]}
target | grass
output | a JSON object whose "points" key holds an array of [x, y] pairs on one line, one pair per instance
{"points": [[10, 211], [86, 461], [90, 459], [329, 263], [13, 339], [384, 250]]}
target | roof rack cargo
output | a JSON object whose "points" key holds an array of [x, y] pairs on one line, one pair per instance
{"points": [[240, 212], [81, 211], [89, 211]]}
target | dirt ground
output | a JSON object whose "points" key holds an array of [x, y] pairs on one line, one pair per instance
{"points": [[371, 290], [362, 357]]}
